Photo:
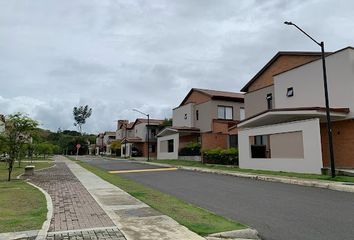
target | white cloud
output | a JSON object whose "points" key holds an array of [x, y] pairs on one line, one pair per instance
{"points": [[116, 55]]}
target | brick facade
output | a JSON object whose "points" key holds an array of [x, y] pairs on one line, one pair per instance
{"points": [[282, 63], [197, 97], [214, 140], [343, 143]]}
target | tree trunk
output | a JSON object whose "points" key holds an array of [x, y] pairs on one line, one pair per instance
{"points": [[10, 170]]}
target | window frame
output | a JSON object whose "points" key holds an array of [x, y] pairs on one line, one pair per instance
{"points": [[269, 99], [170, 146], [224, 107]]}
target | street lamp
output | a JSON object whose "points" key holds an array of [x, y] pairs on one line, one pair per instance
{"points": [[148, 137], [328, 116]]}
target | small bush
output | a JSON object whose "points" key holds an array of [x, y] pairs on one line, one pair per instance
{"points": [[191, 149], [221, 156]]}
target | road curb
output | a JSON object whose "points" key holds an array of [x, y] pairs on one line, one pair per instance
{"points": [[248, 233], [337, 186]]}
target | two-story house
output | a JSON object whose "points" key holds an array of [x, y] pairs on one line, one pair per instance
{"points": [[108, 138], [285, 125], [204, 116], [134, 137]]}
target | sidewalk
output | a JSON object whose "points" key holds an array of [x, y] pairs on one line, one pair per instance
{"points": [[76, 215], [135, 219]]}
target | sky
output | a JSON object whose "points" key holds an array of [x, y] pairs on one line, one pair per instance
{"points": [[116, 55]]}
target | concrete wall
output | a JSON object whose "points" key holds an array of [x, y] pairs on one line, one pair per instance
{"points": [[209, 111], [256, 101], [141, 131], [183, 116], [287, 145], [162, 151], [307, 82], [310, 163]]}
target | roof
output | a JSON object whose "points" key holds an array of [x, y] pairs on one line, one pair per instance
{"points": [[176, 129], [109, 133], [281, 53], [327, 55], [144, 120], [216, 95], [299, 113], [132, 139]]}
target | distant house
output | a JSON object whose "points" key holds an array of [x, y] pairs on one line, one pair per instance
{"points": [[134, 138], [2, 123], [208, 117], [108, 138], [285, 125], [99, 144]]}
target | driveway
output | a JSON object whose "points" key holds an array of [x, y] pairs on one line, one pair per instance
{"points": [[278, 211]]}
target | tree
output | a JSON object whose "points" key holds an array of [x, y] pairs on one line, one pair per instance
{"points": [[44, 148], [81, 113], [115, 146], [18, 128], [167, 122]]}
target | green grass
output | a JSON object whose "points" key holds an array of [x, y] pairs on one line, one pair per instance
{"points": [[194, 218], [22, 207], [253, 171]]}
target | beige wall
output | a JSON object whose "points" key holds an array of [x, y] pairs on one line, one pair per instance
{"points": [[162, 147], [178, 116], [307, 82], [208, 112], [256, 101], [310, 163], [287, 145]]}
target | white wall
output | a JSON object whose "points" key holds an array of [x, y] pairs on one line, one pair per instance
{"points": [[167, 155], [307, 82], [141, 131], [312, 161], [178, 116]]}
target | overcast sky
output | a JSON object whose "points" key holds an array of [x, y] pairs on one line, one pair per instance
{"points": [[115, 55]]}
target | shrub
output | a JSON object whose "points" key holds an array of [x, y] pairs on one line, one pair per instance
{"points": [[191, 149], [221, 156]]}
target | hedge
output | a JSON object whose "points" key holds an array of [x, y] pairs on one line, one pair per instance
{"points": [[191, 149], [221, 156]]}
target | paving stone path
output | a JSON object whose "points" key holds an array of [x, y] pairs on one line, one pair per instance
{"points": [[73, 207]]}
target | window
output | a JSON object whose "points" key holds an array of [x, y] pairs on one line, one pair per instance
{"points": [[233, 140], [242, 113], [152, 148], [197, 114], [290, 92], [269, 101], [185, 116], [170, 145], [153, 132], [225, 112]]}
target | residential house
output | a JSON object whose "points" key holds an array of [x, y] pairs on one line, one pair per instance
{"points": [[204, 116], [99, 144], [108, 138], [285, 125], [134, 137]]}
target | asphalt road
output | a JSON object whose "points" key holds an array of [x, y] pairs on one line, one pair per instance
{"points": [[278, 211]]}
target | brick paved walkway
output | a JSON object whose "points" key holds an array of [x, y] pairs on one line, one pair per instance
{"points": [[73, 207]]}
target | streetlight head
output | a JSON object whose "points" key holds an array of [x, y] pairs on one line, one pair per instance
{"points": [[288, 23]]}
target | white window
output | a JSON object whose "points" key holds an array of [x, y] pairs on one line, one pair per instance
{"points": [[242, 113], [225, 112]]}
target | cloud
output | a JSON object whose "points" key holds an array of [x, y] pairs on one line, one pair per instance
{"points": [[116, 55]]}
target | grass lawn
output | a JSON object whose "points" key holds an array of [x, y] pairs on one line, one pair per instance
{"points": [[264, 172], [22, 207], [196, 219]]}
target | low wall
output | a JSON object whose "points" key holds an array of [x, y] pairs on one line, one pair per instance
{"points": [[190, 158]]}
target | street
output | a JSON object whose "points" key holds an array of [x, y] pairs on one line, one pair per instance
{"points": [[278, 211]]}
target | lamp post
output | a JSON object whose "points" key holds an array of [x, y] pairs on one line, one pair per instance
{"points": [[328, 115], [148, 137]]}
